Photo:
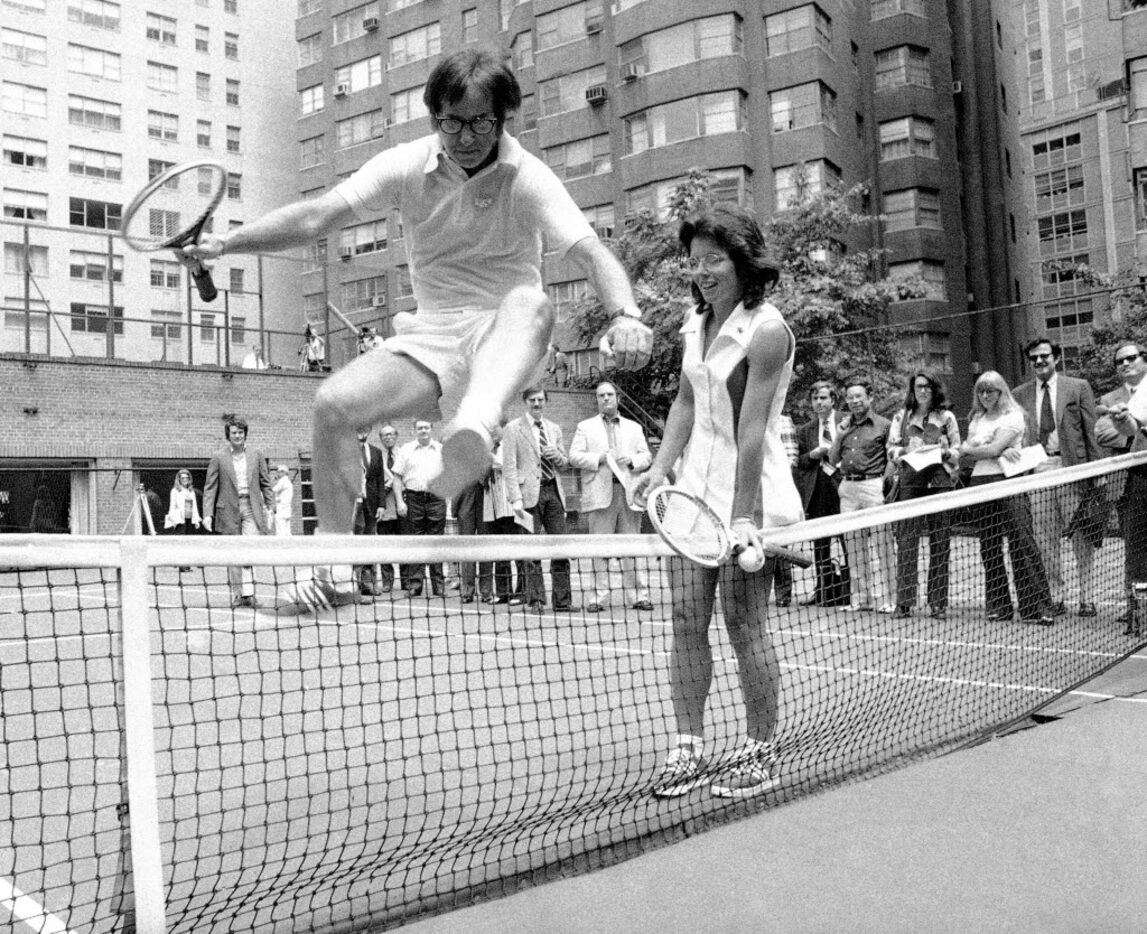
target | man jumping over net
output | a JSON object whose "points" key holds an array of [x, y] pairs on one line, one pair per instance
{"points": [[475, 207]]}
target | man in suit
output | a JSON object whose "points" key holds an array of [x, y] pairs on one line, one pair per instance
{"points": [[368, 509], [238, 499], [389, 522], [1060, 414], [603, 489], [532, 455], [817, 482], [1119, 432]]}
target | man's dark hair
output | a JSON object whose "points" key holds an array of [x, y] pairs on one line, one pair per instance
{"points": [[533, 391], [823, 384], [481, 69], [1033, 344], [235, 421], [858, 379]]}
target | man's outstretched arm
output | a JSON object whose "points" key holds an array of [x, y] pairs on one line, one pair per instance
{"points": [[628, 341]]}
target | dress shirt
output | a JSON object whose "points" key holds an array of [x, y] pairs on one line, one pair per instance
{"points": [[789, 440], [418, 464], [863, 446], [239, 462]]}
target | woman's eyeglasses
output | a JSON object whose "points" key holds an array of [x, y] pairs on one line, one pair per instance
{"points": [[479, 126], [988, 391], [710, 262]]}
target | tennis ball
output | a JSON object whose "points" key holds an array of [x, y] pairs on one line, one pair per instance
{"points": [[751, 559]]}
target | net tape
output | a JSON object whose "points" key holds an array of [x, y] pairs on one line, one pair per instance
{"points": [[356, 768]]}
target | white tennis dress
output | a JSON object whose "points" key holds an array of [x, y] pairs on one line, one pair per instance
{"points": [[709, 463]]}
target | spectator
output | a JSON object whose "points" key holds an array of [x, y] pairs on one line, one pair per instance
{"points": [[996, 430], [237, 499], [183, 507], [861, 452], [254, 359], [313, 353], [818, 482], [609, 450], [1060, 414], [152, 507], [368, 506], [724, 427], [284, 492], [422, 513], [532, 455], [368, 339], [924, 422], [558, 367], [498, 516], [469, 510], [44, 517], [391, 522], [1119, 431], [782, 570]]}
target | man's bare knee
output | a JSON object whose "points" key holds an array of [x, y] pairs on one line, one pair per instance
{"points": [[530, 306], [333, 408]]}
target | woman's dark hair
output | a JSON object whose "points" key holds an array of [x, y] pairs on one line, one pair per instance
{"points": [[939, 394], [473, 68], [736, 231]]}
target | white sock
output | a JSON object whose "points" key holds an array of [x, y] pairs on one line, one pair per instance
{"points": [[697, 742]]}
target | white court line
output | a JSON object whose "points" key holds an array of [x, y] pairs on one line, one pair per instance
{"points": [[23, 908]]}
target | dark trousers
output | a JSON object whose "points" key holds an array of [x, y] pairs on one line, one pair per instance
{"points": [[938, 528], [364, 524], [550, 516], [1011, 517], [389, 527], [1133, 525], [468, 511], [504, 570], [783, 581], [825, 502], [425, 515]]}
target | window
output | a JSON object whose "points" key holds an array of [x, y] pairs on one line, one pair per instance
{"points": [[162, 77], [202, 39], [95, 163], [33, 258], [207, 328], [93, 267], [567, 24], [166, 325], [414, 45], [25, 205], [522, 50], [234, 186], [710, 37], [1137, 98], [28, 6], [237, 281], [908, 136], [529, 112], [730, 186], [1069, 325], [231, 46], [311, 100], [312, 152], [233, 91], [403, 286], [882, 8], [315, 256], [165, 274], [349, 25], [1060, 277], [95, 63], [407, 105], [803, 28], [23, 47], [156, 167], [564, 295], [89, 112], [365, 73], [202, 86], [360, 128], [1056, 146], [93, 319], [601, 219], [929, 351], [1059, 188], [912, 207], [233, 139], [160, 29], [580, 158], [307, 7], [932, 272], [24, 152], [469, 26], [801, 106], [791, 187], [203, 134], [1141, 199], [708, 115], [310, 50], [99, 14], [1064, 232], [24, 100], [231, 6], [238, 330], [87, 212], [567, 92], [903, 66], [361, 294]]}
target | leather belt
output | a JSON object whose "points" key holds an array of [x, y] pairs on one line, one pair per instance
{"points": [[861, 476]]}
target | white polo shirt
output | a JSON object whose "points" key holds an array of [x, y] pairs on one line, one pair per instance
{"points": [[468, 241]]}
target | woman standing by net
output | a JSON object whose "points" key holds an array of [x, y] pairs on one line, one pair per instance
{"points": [[724, 425]]}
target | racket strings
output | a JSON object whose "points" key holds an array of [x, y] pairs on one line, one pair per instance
{"points": [[172, 204], [692, 529]]}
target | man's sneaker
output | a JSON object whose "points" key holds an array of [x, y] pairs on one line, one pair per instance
{"points": [[320, 592], [750, 773], [466, 459], [682, 772]]}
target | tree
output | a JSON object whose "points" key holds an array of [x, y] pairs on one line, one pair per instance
{"points": [[1126, 324], [834, 303]]}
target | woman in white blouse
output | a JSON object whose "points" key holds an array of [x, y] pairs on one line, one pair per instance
{"points": [[996, 427], [183, 509]]}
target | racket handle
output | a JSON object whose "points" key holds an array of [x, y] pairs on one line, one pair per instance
{"points": [[792, 557], [204, 284]]}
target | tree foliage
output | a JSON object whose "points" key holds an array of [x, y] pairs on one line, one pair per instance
{"points": [[833, 301], [1126, 324]]}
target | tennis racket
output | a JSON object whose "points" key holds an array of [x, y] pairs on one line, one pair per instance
{"points": [[172, 210], [691, 528]]}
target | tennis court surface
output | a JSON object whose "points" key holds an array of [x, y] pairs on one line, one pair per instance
{"points": [[176, 764]]}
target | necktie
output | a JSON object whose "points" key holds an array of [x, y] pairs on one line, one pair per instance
{"points": [[611, 432], [547, 469], [390, 459], [1046, 418]]}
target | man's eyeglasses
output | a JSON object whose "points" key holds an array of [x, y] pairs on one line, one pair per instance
{"points": [[1036, 357], [479, 126], [1130, 358], [710, 262]]}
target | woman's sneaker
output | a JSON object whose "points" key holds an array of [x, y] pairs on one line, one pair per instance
{"points": [[751, 773], [682, 772]]}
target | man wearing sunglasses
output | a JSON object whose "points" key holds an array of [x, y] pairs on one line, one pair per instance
{"points": [[476, 209], [1060, 413]]}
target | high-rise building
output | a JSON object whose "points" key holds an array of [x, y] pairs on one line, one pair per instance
{"points": [[98, 97]]}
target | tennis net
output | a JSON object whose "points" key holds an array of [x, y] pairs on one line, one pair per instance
{"points": [[170, 762]]}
